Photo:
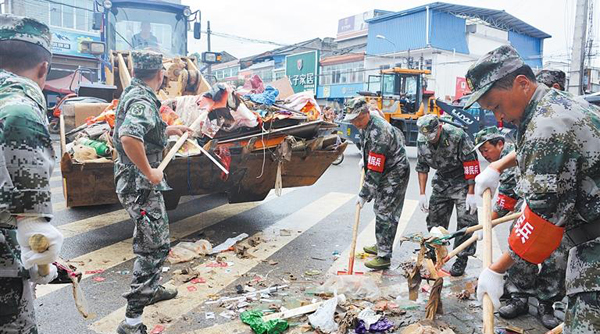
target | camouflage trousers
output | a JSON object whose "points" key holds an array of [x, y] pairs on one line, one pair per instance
{"points": [[547, 283], [447, 194], [388, 209], [17, 315], [151, 246], [583, 313]]}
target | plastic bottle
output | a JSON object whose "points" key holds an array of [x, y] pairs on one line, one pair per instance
{"points": [[101, 148]]}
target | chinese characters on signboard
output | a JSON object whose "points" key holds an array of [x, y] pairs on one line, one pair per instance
{"points": [[302, 71]]}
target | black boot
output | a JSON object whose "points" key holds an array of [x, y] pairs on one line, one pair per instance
{"points": [[458, 268], [514, 307], [546, 315]]}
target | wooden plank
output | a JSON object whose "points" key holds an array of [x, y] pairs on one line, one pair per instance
{"points": [[123, 71]]}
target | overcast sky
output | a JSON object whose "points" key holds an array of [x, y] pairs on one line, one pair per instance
{"points": [[289, 22]]}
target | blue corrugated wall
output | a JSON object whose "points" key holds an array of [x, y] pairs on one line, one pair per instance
{"points": [[448, 32], [530, 48], [406, 32]]}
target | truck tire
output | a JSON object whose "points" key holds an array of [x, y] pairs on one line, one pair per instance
{"points": [[338, 160]]}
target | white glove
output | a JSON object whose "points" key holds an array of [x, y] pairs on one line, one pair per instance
{"points": [[361, 163], [471, 204], [31, 226], [489, 178], [492, 283], [424, 203], [36, 278], [361, 201]]}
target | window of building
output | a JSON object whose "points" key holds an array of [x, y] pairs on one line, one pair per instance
{"points": [[71, 14], [265, 74], [279, 75], [343, 73]]}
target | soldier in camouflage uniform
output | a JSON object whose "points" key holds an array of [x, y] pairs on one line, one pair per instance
{"points": [[26, 164], [449, 150], [140, 136], [558, 158], [552, 78], [524, 279], [386, 177]]}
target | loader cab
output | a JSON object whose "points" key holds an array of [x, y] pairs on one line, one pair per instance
{"points": [[403, 87], [147, 25], [400, 89]]}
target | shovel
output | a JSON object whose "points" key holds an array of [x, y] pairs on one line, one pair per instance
{"points": [[354, 235], [180, 143], [39, 244]]}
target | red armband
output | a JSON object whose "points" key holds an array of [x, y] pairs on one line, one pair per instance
{"points": [[506, 202], [534, 238], [376, 162], [471, 169]]}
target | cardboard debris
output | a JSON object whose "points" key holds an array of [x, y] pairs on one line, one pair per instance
{"points": [[428, 327]]}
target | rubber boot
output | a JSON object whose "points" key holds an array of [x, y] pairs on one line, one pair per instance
{"points": [[163, 293], [124, 328], [458, 268], [514, 307], [379, 263], [371, 250], [546, 315]]}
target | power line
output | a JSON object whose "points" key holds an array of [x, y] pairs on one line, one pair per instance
{"points": [[63, 4]]}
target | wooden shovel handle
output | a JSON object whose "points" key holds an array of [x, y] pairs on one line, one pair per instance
{"points": [[495, 222], [39, 244], [461, 247], [173, 151], [355, 229], [488, 306]]}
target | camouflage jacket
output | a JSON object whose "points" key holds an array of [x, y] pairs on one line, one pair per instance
{"points": [[558, 156], [27, 158], [138, 116], [507, 190], [448, 156], [383, 154]]}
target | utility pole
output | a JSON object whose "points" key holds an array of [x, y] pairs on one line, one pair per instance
{"points": [[208, 40], [578, 53]]}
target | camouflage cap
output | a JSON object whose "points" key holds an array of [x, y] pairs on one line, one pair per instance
{"points": [[25, 29], [428, 126], [486, 134], [550, 77], [354, 107], [147, 60], [490, 68]]}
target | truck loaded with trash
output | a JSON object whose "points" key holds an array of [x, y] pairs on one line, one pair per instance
{"points": [[254, 138], [254, 143]]}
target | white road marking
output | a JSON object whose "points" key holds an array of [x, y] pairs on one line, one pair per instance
{"points": [[117, 253]]}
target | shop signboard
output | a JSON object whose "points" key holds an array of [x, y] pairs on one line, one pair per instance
{"points": [[302, 69]]}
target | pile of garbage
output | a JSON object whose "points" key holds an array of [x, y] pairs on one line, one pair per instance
{"points": [[222, 113]]}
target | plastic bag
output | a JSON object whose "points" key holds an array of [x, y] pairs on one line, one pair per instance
{"points": [[353, 286], [169, 116], [369, 317], [259, 326], [180, 254], [200, 247], [323, 318], [242, 117], [228, 243]]}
